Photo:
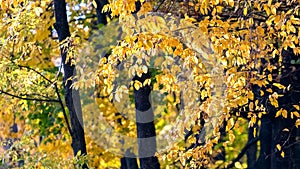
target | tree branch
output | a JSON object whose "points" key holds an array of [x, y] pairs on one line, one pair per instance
{"points": [[39, 73], [63, 110], [243, 152], [25, 98], [49, 100]]}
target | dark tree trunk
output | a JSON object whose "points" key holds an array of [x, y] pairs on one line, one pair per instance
{"points": [[251, 153], [265, 138], [72, 97], [101, 17], [280, 130], [129, 163], [279, 137], [296, 149], [145, 125]]}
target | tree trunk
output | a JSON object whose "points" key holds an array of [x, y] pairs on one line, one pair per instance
{"points": [[129, 163], [101, 17], [265, 137], [145, 125], [72, 97], [281, 130], [279, 137], [251, 153]]}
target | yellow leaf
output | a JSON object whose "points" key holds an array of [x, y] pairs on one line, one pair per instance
{"points": [[282, 154], [231, 3], [231, 137], [297, 107], [278, 147], [203, 94], [269, 90], [251, 95], [296, 114], [270, 77], [95, 4], [117, 97], [251, 22], [15, 3], [269, 3], [251, 106], [278, 113], [278, 85], [273, 101], [110, 97], [245, 11], [273, 10], [38, 11], [60, 115], [297, 123], [147, 82], [137, 85], [238, 165], [144, 68], [78, 153], [187, 18], [267, 9], [286, 129], [182, 160], [284, 113]]}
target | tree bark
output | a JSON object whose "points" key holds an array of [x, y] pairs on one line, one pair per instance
{"points": [[72, 97], [145, 125]]}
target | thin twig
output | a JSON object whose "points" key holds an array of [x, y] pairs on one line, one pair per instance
{"points": [[47, 100], [25, 98], [159, 5], [39, 73]]}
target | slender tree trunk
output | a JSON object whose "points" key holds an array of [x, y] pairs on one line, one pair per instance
{"points": [[145, 125], [72, 97]]}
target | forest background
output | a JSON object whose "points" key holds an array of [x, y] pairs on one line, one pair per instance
{"points": [[216, 81]]}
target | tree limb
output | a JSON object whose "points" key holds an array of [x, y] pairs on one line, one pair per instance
{"points": [[243, 152]]}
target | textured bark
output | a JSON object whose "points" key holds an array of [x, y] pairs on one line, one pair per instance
{"points": [[145, 126], [72, 97]]}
